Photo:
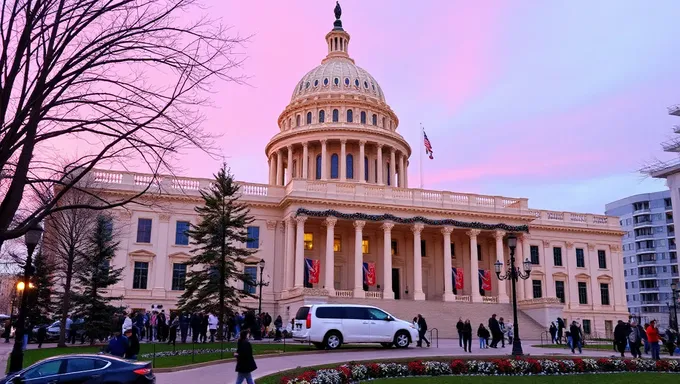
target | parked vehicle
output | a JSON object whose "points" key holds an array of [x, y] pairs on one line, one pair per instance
{"points": [[84, 369], [54, 328], [331, 325]]}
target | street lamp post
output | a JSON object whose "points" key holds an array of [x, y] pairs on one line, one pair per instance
{"points": [[674, 292], [261, 284], [32, 238], [514, 274]]}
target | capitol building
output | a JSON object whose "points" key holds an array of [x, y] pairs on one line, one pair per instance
{"points": [[339, 222]]}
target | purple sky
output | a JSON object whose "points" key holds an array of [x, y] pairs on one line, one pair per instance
{"points": [[557, 101]]}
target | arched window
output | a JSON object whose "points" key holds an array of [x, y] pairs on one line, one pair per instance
{"points": [[350, 166], [322, 116], [363, 117], [335, 115], [334, 166], [290, 123], [375, 119], [366, 168], [350, 116], [318, 167], [309, 118], [297, 120], [389, 179]]}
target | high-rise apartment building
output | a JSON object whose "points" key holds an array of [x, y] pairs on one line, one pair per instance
{"points": [[650, 259]]}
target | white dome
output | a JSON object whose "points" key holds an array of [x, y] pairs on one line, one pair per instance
{"points": [[338, 75]]}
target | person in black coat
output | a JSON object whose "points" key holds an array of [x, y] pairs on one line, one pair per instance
{"points": [[467, 336], [195, 327], [422, 328], [245, 363], [459, 328], [184, 326], [133, 344], [42, 333], [204, 327], [575, 332], [495, 330], [560, 330], [621, 332]]}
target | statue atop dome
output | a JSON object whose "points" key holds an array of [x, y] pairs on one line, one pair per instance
{"points": [[337, 25]]}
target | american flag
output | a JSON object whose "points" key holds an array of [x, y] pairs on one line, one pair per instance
{"points": [[428, 146]]}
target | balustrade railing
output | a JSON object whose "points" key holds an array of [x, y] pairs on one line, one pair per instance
{"points": [[462, 298], [344, 293], [490, 299], [374, 295]]}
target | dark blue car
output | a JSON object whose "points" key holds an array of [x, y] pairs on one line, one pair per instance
{"points": [[84, 369]]}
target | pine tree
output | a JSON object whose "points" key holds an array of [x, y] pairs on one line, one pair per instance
{"points": [[42, 303], [94, 275], [218, 241]]}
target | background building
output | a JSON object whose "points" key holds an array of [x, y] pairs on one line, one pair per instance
{"points": [[649, 253]]}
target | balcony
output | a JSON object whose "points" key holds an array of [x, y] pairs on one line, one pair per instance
{"points": [[645, 250], [674, 110], [649, 289], [648, 276], [641, 211], [642, 223], [644, 237], [646, 262], [671, 233], [672, 246], [676, 128], [669, 220]]}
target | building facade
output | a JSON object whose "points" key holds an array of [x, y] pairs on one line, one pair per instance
{"points": [[338, 202], [650, 258]]}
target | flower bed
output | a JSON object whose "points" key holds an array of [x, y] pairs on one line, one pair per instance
{"points": [[185, 352], [352, 373]]}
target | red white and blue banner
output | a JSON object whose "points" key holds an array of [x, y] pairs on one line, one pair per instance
{"points": [[457, 274], [312, 268], [369, 274], [485, 279]]}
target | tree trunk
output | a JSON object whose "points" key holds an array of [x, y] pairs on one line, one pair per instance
{"points": [[66, 302]]}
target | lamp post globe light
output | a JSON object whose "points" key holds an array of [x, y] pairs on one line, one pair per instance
{"points": [[514, 274], [31, 238], [261, 284]]}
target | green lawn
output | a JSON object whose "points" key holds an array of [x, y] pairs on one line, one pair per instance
{"points": [[618, 378]]}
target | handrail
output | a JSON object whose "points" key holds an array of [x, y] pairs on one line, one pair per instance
{"points": [[437, 334], [547, 337]]}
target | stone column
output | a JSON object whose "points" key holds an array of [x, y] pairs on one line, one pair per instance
{"points": [[393, 166], [387, 260], [418, 293], [448, 274], [329, 263], [616, 287], [362, 154], [272, 169], [289, 167], [279, 167], [300, 251], [572, 297], [549, 279], [500, 256], [526, 254], [474, 266], [290, 254], [343, 160], [358, 259], [406, 174], [305, 161], [401, 171], [378, 153], [324, 161]]}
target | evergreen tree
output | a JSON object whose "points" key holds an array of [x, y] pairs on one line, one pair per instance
{"points": [[94, 275], [218, 241], [42, 303]]}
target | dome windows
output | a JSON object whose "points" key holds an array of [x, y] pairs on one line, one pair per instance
{"points": [[297, 120], [375, 119], [350, 116], [366, 84], [325, 82], [307, 85], [300, 87], [322, 116], [347, 81], [336, 81], [356, 83], [363, 117], [335, 115], [309, 118], [316, 83]]}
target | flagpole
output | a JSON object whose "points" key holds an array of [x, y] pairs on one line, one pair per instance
{"points": [[422, 143]]}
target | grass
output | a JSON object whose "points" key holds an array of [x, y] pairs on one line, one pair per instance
{"points": [[619, 378]]}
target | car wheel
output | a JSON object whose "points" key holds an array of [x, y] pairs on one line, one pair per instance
{"points": [[386, 345], [318, 345], [401, 339], [333, 340]]}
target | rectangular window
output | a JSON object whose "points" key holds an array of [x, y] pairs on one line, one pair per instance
{"points": [[309, 241], [586, 326], [453, 250], [423, 248], [557, 256], [602, 259], [253, 238], [582, 293], [580, 259], [395, 247], [534, 254], [144, 230], [249, 285], [559, 290], [479, 252], [538, 288], [179, 276], [181, 236], [140, 275], [604, 293], [337, 244], [365, 246]]}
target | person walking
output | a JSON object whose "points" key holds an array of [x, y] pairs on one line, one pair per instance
{"points": [[653, 338], [195, 327], [553, 332], [634, 340], [483, 335], [132, 349], [495, 330], [278, 323], [643, 334], [560, 329], [174, 324], [621, 337], [118, 345], [459, 328], [42, 333], [245, 363], [422, 328], [501, 324], [575, 332], [184, 326], [212, 325], [467, 336]]}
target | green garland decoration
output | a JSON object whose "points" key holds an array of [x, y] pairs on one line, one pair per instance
{"points": [[411, 220]]}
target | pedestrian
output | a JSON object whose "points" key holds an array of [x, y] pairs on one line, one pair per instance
{"points": [[132, 349], [467, 336], [174, 324], [670, 340], [245, 363], [422, 328], [278, 323], [483, 335], [495, 330], [459, 328], [8, 330], [67, 327], [575, 332], [560, 329], [212, 325], [511, 334], [154, 326], [653, 338], [184, 323], [195, 327], [118, 345], [621, 332], [553, 332], [42, 333], [634, 339], [127, 323], [501, 323], [643, 334]]}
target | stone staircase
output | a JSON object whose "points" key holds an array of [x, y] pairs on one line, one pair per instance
{"points": [[444, 315]]}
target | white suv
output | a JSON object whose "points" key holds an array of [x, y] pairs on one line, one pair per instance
{"points": [[330, 325]]}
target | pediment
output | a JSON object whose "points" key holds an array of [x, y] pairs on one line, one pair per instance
{"points": [[560, 274], [179, 255], [251, 260], [142, 253], [605, 277], [536, 272], [582, 276]]}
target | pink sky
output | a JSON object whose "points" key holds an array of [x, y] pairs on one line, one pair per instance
{"points": [[557, 102]]}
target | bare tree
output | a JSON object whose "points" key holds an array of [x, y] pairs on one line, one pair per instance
{"points": [[124, 78]]}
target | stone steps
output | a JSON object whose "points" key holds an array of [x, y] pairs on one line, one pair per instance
{"points": [[444, 315]]}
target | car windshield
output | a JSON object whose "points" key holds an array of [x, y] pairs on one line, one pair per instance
{"points": [[55, 324]]}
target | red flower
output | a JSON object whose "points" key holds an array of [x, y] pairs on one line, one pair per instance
{"points": [[534, 365], [416, 367], [580, 366], [458, 367], [308, 375], [373, 370], [504, 366], [662, 365]]}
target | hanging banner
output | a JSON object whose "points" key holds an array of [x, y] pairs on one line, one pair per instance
{"points": [[457, 277], [312, 266], [485, 279], [369, 274]]}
